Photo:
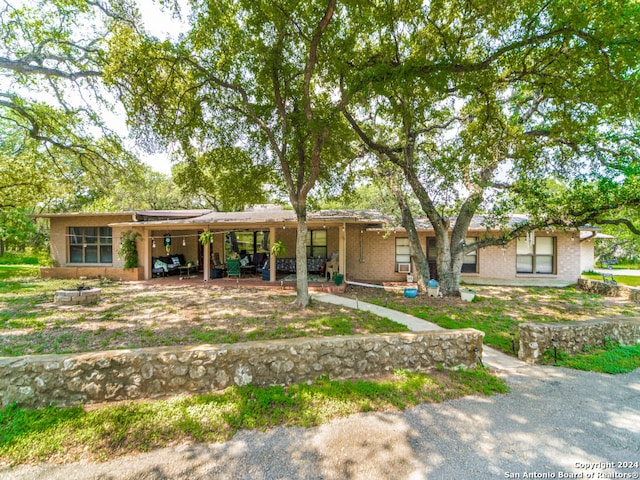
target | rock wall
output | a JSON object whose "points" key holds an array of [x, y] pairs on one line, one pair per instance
{"points": [[63, 380], [536, 338], [608, 290]]}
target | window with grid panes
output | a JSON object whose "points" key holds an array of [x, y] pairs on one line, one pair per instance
{"points": [[403, 253], [470, 261], [316, 243], [536, 257], [90, 245]]}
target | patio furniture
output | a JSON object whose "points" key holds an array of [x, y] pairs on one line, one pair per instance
{"points": [[608, 279], [233, 267], [168, 265]]}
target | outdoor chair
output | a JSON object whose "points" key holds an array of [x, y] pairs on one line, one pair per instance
{"points": [[608, 279], [233, 267]]}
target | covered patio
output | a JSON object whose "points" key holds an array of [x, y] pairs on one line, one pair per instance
{"points": [[249, 235]]}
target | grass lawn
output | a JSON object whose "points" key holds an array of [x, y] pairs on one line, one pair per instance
{"points": [[611, 359], [497, 311], [147, 315], [628, 280], [65, 435], [140, 315]]}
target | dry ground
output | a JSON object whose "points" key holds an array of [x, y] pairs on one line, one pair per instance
{"points": [[144, 315], [155, 314]]}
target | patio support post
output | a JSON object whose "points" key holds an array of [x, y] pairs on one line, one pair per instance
{"points": [[146, 253], [206, 260], [342, 250], [272, 259]]}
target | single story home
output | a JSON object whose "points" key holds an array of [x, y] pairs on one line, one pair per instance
{"points": [[367, 246]]}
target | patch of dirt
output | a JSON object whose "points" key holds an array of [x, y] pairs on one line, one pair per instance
{"points": [[139, 315]]}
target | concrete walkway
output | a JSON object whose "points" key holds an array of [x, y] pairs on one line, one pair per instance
{"points": [[628, 272], [490, 356]]}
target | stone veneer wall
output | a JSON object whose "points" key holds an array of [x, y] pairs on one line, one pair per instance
{"points": [[608, 290], [39, 381], [536, 338]]}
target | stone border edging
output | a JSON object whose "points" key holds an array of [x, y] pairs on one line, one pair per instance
{"points": [[64, 380], [571, 337], [608, 290]]}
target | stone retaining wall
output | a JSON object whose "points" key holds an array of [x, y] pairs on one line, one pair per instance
{"points": [[536, 338], [39, 381], [608, 290]]}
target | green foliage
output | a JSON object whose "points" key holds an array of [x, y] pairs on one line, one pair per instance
{"points": [[610, 358], [37, 435], [499, 314], [129, 248], [30, 256], [205, 237], [54, 146], [278, 249], [226, 179], [11, 271], [481, 112]]}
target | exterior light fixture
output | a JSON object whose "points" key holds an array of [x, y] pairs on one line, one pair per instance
{"points": [[184, 242], [153, 243]]}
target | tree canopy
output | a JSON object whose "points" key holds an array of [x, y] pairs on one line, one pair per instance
{"points": [[480, 105], [247, 75], [54, 139]]}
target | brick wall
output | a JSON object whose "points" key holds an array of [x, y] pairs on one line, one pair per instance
{"points": [[372, 258]]}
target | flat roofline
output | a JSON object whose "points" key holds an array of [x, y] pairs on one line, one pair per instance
{"points": [[81, 214]]}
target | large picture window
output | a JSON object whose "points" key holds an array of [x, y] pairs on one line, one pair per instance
{"points": [[403, 255], [246, 243], [90, 245], [537, 256], [316, 244]]}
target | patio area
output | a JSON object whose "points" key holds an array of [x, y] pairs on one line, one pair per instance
{"points": [[283, 282]]}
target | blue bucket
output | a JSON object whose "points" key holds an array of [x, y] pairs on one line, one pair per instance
{"points": [[411, 292]]}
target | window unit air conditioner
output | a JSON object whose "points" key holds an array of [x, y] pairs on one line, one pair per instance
{"points": [[404, 268]]}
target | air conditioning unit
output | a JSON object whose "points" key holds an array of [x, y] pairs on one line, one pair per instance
{"points": [[404, 268]]}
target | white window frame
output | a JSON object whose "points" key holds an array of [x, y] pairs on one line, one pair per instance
{"points": [[403, 255], [534, 251]]}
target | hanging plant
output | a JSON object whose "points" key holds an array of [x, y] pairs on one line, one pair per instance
{"points": [[129, 249], [278, 249], [205, 237]]}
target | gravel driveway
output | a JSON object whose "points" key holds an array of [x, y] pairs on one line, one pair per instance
{"points": [[556, 423]]}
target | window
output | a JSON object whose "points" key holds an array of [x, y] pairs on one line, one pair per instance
{"points": [[470, 262], [403, 255], [90, 245], [246, 242], [536, 257], [316, 244]]}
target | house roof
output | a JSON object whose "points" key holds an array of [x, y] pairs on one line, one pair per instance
{"points": [[268, 216]]}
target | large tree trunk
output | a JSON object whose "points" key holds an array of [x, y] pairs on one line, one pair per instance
{"points": [[302, 275], [417, 253]]}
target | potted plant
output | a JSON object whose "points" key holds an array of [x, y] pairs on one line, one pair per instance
{"points": [[278, 249], [206, 237], [467, 294]]}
